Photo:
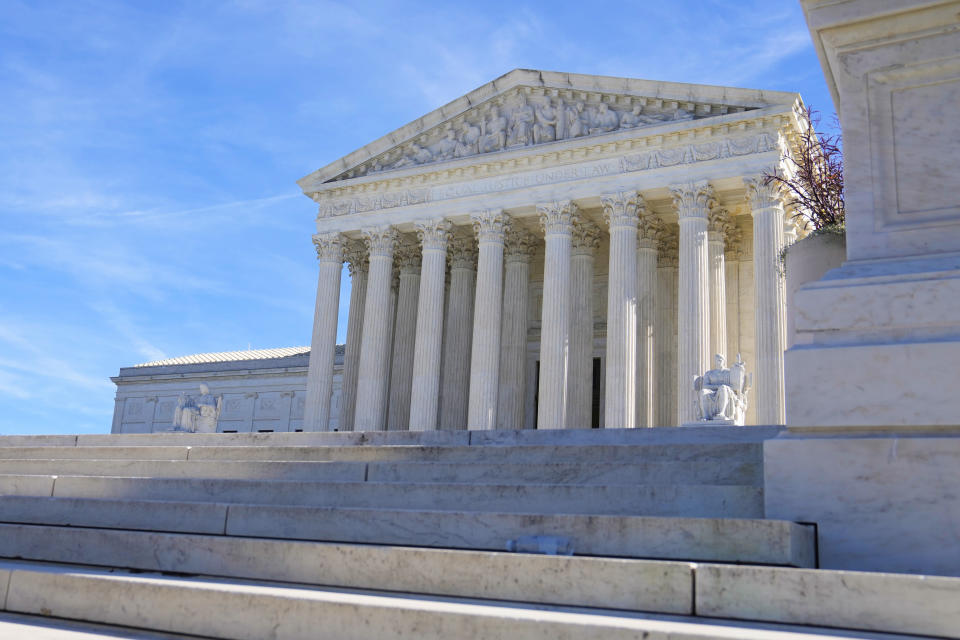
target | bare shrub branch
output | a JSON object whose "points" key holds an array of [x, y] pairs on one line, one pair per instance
{"points": [[815, 175]]}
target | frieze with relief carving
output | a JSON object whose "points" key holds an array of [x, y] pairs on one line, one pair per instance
{"points": [[635, 162]]}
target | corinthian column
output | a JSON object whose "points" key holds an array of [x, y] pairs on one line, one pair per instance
{"points": [[371, 413], [490, 227], [717, 229], [586, 240], [425, 391], [693, 320], [401, 374], [766, 206], [358, 260], [456, 370], [620, 213], [323, 344], [665, 328], [557, 221], [648, 233], [520, 248]]}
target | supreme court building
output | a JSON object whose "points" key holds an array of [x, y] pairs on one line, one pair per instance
{"points": [[554, 250]]}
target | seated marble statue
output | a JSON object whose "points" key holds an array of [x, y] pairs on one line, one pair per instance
{"points": [[721, 393], [198, 415]]}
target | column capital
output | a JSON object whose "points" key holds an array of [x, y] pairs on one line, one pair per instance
{"points": [[622, 209], [668, 246], [733, 245], [558, 217], [490, 225], [357, 257], [381, 241], [693, 199], [408, 257], [329, 247], [649, 231], [586, 238], [433, 234], [719, 223], [763, 194], [520, 245], [463, 252]]}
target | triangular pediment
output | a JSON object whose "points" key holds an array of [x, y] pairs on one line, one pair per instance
{"points": [[526, 108]]}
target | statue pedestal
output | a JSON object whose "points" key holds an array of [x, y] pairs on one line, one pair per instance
{"points": [[711, 423], [872, 451]]}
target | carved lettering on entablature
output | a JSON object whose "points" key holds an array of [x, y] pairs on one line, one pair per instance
{"points": [[642, 161]]}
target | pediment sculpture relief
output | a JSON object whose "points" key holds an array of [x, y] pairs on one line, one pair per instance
{"points": [[520, 119]]}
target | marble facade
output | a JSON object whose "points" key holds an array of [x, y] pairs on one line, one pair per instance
{"points": [[262, 390], [560, 251]]}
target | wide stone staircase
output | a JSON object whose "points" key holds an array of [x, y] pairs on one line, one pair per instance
{"points": [[653, 533]]}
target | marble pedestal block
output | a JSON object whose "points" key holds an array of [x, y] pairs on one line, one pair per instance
{"points": [[871, 390]]}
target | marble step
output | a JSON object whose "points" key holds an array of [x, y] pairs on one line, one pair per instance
{"points": [[694, 452], [700, 501], [707, 472], [245, 610], [432, 438], [620, 583], [16, 626], [667, 538]]}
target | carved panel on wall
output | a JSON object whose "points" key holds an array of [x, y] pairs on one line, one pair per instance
{"points": [[133, 410]]}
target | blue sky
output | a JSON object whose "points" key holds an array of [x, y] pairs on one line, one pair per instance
{"points": [[149, 152]]}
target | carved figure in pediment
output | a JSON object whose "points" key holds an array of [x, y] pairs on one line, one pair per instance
{"points": [[447, 146], [521, 131], [493, 132], [416, 155], [682, 114], [467, 142], [604, 120], [545, 124], [575, 126], [636, 118]]}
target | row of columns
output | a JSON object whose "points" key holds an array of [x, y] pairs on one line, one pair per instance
{"points": [[432, 357]]}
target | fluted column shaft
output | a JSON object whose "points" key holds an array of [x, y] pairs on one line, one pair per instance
{"points": [[586, 240], [719, 224], [323, 343], [359, 264], [693, 297], [646, 321], [425, 391], [456, 372], [665, 337], [405, 333], [770, 306], [557, 221], [520, 247], [620, 212], [490, 228], [371, 411]]}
